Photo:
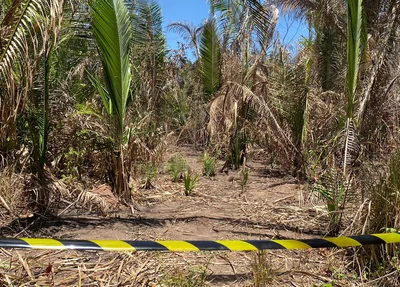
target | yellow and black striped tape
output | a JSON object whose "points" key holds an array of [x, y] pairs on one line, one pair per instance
{"points": [[188, 245]]}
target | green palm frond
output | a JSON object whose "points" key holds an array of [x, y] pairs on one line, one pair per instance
{"points": [[354, 37], [210, 50], [229, 12], [148, 57], [219, 5], [147, 26], [16, 28], [237, 16], [112, 30], [260, 19], [105, 97]]}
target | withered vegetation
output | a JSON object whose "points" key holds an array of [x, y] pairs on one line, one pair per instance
{"points": [[100, 121]]}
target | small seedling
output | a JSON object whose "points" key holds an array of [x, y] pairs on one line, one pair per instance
{"points": [[262, 271], [190, 182], [195, 277], [244, 178], [333, 188], [149, 172], [176, 166], [208, 165]]}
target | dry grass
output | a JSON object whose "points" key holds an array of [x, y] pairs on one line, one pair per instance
{"points": [[68, 268], [11, 187]]}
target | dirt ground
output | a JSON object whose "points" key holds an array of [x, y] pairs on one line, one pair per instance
{"points": [[274, 206]]}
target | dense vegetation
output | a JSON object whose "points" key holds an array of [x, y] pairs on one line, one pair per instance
{"points": [[90, 93]]}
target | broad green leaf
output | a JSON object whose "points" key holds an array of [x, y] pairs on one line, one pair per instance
{"points": [[112, 29]]}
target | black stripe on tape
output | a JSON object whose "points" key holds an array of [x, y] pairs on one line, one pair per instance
{"points": [[13, 243], [80, 245], [208, 245], [147, 245], [264, 244], [368, 239], [318, 243]]}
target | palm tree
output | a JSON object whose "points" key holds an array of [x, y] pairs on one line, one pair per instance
{"points": [[148, 58], [325, 19], [31, 32], [113, 32], [239, 21], [17, 42], [189, 33], [354, 36], [244, 27]]}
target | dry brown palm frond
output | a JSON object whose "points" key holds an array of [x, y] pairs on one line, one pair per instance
{"points": [[17, 29], [301, 7], [223, 111], [101, 198], [58, 187], [11, 186], [325, 118], [232, 68], [27, 31], [79, 70]]}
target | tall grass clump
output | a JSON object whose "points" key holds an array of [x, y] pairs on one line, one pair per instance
{"points": [[10, 191], [381, 215]]}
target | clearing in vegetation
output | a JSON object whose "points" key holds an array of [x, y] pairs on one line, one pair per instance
{"points": [[107, 134]]}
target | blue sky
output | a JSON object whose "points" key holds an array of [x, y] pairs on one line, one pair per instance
{"points": [[196, 11], [192, 11]]}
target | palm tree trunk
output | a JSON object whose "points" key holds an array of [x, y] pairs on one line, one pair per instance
{"points": [[121, 183], [41, 138]]}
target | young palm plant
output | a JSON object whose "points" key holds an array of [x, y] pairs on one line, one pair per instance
{"points": [[354, 36], [242, 24], [112, 29]]}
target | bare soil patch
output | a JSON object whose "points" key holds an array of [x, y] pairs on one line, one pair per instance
{"points": [[274, 206]]}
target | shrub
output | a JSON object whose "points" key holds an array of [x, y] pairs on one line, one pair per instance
{"points": [[73, 162], [176, 166]]}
